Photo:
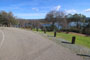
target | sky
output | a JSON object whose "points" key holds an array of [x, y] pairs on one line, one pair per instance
{"points": [[37, 9]]}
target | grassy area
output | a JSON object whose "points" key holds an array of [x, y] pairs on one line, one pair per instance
{"points": [[80, 40], [38, 30]]}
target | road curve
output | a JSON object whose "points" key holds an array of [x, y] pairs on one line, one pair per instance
{"points": [[19, 44]]}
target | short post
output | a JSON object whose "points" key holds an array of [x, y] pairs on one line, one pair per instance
{"points": [[37, 29], [73, 39], [44, 30], [55, 33], [31, 28]]}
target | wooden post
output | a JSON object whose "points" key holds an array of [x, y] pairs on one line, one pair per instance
{"points": [[73, 39], [31, 28], [44, 30], [55, 34], [37, 29]]}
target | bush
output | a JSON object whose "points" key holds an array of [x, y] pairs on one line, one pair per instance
{"points": [[71, 30], [87, 31]]}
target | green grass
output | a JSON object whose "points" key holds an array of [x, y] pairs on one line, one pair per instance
{"points": [[80, 40], [38, 30]]}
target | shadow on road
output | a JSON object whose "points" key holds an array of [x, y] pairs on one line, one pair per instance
{"points": [[50, 36], [66, 42], [83, 55]]}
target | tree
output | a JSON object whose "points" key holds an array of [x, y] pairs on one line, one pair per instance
{"points": [[4, 18], [86, 28], [78, 18], [7, 18], [55, 17], [11, 18]]}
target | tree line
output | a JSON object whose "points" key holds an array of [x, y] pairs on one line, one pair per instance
{"points": [[80, 23]]}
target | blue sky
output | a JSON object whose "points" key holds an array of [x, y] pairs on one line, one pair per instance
{"points": [[37, 9]]}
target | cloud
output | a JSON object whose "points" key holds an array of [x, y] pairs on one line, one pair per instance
{"points": [[57, 8], [71, 11], [87, 10], [35, 9]]}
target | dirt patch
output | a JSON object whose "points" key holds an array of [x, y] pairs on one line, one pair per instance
{"points": [[77, 34]]}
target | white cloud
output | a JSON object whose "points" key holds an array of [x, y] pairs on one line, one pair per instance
{"points": [[71, 11], [87, 10], [35, 9], [57, 7]]}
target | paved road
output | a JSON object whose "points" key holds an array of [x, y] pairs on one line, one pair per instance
{"points": [[18, 44]]}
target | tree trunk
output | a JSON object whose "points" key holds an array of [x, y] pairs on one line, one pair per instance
{"points": [[53, 27]]}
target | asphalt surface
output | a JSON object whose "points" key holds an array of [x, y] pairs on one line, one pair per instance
{"points": [[19, 44]]}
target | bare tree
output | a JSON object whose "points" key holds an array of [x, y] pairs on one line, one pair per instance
{"points": [[56, 17]]}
